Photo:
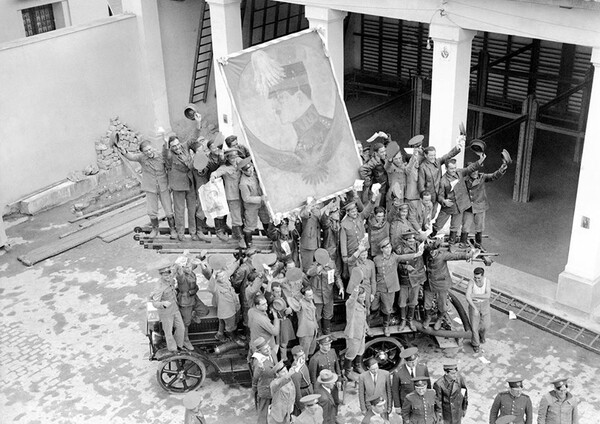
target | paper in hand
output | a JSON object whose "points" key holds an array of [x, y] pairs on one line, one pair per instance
{"points": [[453, 184], [375, 188], [358, 185]]}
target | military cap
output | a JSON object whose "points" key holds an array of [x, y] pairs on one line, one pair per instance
{"points": [[297, 350], [310, 399], [403, 206], [259, 343], [324, 339], [478, 146], [192, 399], [420, 381], [376, 400], [261, 259], [278, 366], [450, 365], [416, 141], [506, 157], [384, 242], [409, 232], [409, 354], [515, 382], [322, 256], [327, 376], [241, 164], [392, 149], [217, 262], [506, 419], [163, 264], [294, 274], [350, 205], [560, 382]]}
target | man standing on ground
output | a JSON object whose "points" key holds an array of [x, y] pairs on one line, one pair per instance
{"points": [[262, 375], [419, 406], [374, 383], [301, 379], [325, 358], [478, 297], [283, 393], [558, 406], [325, 383], [451, 395], [512, 402], [403, 378]]}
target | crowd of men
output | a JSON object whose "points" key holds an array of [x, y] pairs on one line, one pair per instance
{"points": [[375, 247]]}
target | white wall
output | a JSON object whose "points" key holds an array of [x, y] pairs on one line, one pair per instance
{"points": [[77, 11], [59, 90]]}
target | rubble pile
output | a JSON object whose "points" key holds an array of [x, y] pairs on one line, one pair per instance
{"points": [[106, 154]]}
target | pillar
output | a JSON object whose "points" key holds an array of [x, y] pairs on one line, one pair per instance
{"points": [[330, 24], [153, 69], [449, 85], [226, 27], [579, 283]]}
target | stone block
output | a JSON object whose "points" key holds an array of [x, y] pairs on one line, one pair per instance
{"points": [[578, 292], [57, 195]]}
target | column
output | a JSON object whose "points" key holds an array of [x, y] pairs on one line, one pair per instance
{"points": [[226, 27], [449, 85], [579, 283], [330, 24], [153, 68]]}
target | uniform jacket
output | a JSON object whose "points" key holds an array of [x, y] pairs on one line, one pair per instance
{"points": [[164, 292], [330, 408], [396, 177], [231, 181], [352, 231], [366, 388], [554, 411], [186, 288], [402, 383], [412, 179], [330, 231], [459, 194], [387, 272], [250, 190], [449, 396], [506, 404], [369, 275], [303, 385], [373, 171], [283, 393], [319, 281], [320, 361], [420, 217], [356, 318], [310, 237], [397, 228], [154, 172], [306, 418], [224, 297], [437, 268], [430, 174], [412, 271], [179, 168], [262, 375], [370, 414], [291, 242], [420, 409], [476, 189]]}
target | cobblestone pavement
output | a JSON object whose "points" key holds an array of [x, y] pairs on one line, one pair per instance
{"points": [[73, 346]]}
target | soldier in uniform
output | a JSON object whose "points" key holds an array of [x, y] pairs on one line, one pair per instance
{"points": [[512, 402], [419, 406], [262, 375], [253, 200], [373, 172], [403, 379], [451, 395], [312, 412], [412, 278], [377, 410], [558, 406], [352, 229], [301, 379], [164, 299], [310, 237], [325, 358], [356, 327]]}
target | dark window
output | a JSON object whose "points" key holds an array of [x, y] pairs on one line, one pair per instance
{"points": [[38, 20]]}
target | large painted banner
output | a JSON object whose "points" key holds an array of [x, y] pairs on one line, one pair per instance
{"points": [[293, 119]]}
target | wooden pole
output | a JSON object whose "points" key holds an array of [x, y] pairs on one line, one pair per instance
{"points": [[521, 189], [417, 104], [482, 81]]}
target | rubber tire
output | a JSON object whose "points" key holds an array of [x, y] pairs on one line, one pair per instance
{"points": [[396, 345], [171, 365]]}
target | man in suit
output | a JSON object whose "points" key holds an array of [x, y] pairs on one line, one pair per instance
{"points": [[451, 395], [402, 380], [262, 375], [283, 393], [374, 382], [378, 408], [301, 379], [325, 384], [420, 406]]}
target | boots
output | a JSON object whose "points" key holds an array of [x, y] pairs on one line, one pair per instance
{"points": [[347, 367], [438, 323], [248, 239], [428, 318], [327, 329], [202, 230], [171, 221], [154, 233], [234, 338], [452, 237], [463, 239], [358, 364], [410, 315], [478, 237], [386, 325], [238, 235], [220, 230], [402, 325]]}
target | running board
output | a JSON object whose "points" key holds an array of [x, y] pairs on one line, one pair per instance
{"points": [[537, 317]]}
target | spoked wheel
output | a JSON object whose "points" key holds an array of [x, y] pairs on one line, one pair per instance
{"points": [[386, 350], [181, 373]]}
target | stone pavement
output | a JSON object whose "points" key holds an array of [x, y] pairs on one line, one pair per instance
{"points": [[73, 346]]}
